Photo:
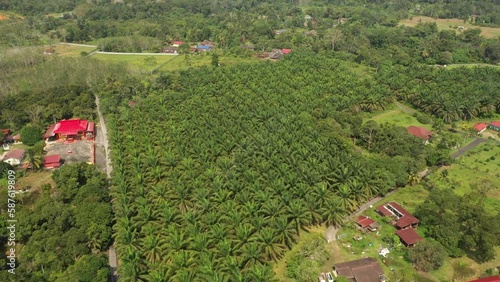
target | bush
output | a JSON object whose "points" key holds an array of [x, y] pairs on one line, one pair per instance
{"points": [[427, 255], [424, 119], [31, 134]]}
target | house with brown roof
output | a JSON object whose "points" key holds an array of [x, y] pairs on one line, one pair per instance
{"points": [[170, 50], [53, 161], [14, 157], [420, 132], [361, 270], [408, 236], [404, 219], [366, 223]]}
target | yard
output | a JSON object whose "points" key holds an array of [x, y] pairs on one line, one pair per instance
{"points": [[74, 152], [452, 24]]}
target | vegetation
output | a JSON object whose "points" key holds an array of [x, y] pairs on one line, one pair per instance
{"points": [[30, 135], [65, 230], [305, 262], [427, 255]]}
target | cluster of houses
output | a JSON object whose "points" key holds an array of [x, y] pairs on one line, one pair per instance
{"points": [[482, 126], [207, 45], [368, 269], [203, 46], [63, 131], [404, 221]]}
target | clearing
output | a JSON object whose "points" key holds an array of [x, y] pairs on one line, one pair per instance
{"points": [[135, 62], [452, 24], [71, 152], [71, 50], [397, 116], [198, 60], [4, 15]]}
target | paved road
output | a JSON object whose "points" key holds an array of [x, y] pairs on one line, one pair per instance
{"points": [[469, 146], [103, 139], [145, 54]]}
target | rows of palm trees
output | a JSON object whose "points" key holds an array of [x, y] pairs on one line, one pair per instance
{"points": [[214, 182], [449, 94]]}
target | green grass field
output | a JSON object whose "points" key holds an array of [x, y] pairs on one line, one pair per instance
{"points": [[452, 24], [136, 62], [398, 117], [71, 51], [197, 60]]}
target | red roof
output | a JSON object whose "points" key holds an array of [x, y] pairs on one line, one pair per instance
{"points": [[480, 126], [5, 131], [91, 127], [71, 127], [364, 221], [495, 278], [49, 132], [16, 137], [495, 123], [178, 42], [404, 217], [419, 132], [14, 154], [409, 236], [52, 161], [285, 51]]}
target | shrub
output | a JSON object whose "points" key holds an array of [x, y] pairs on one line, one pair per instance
{"points": [[424, 119], [427, 255], [31, 134]]}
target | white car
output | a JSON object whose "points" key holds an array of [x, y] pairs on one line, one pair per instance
{"points": [[329, 276], [321, 278]]}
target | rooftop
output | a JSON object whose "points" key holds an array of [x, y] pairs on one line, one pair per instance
{"points": [[71, 127], [480, 126], [14, 154], [419, 132], [409, 236], [361, 270]]}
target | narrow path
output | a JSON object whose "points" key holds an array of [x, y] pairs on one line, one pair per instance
{"points": [[113, 262], [405, 109], [467, 148]]}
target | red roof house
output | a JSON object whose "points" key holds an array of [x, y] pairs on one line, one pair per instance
{"points": [[52, 161], [5, 131], [285, 51], [73, 129], [480, 127], [409, 236], [495, 125], [404, 218], [367, 223], [495, 278], [177, 43], [419, 132]]}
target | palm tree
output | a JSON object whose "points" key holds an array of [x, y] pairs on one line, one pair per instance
{"points": [[298, 215], [271, 247], [285, 231], [32, 159], [346, 197]]}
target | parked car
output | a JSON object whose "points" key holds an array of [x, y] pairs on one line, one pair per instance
{"points": [[329, 276], [321, 278]]}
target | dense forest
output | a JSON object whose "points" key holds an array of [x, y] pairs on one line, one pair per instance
{"points": [[65, 228]]}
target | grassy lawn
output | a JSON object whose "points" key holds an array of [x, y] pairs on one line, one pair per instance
{"points": [[398, 117], [197, 60], [452, 24], [135, 62], [71, 51]]}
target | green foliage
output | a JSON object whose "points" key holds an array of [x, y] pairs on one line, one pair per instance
{"points": [[31, 134], [59, 238], [460, 224], [427, 255], [305, 262]]}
